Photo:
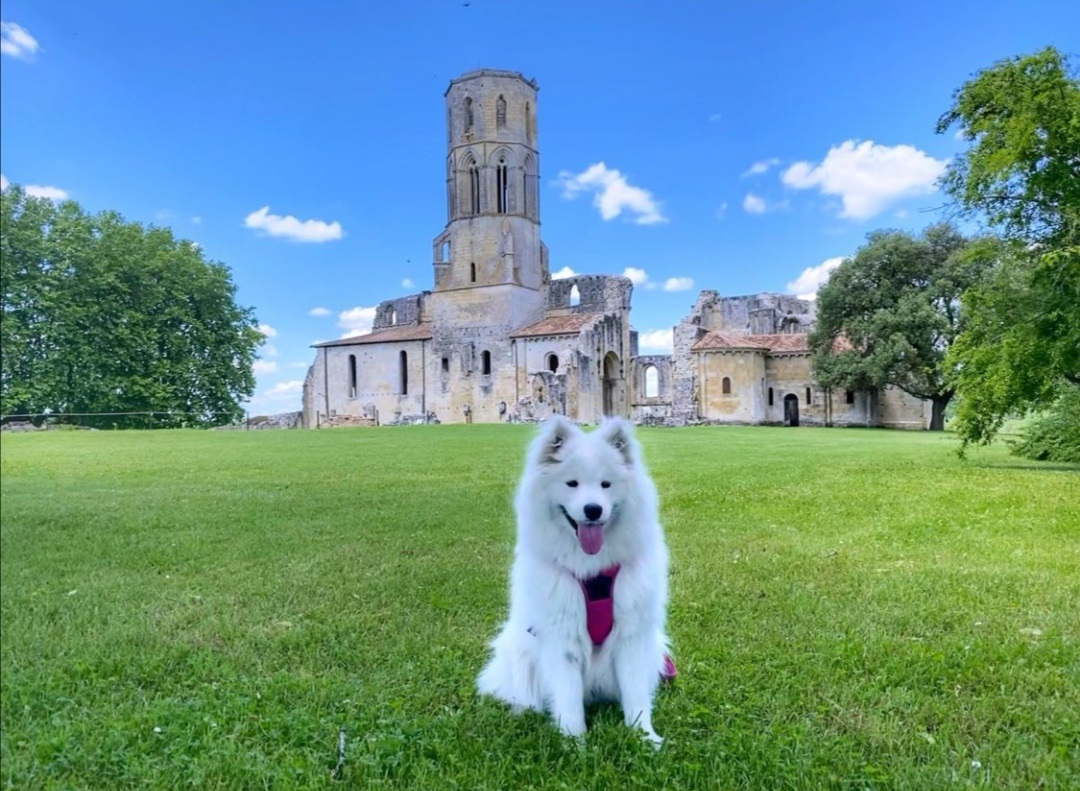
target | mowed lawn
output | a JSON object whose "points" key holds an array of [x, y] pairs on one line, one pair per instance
{"points": [[851, 609]]}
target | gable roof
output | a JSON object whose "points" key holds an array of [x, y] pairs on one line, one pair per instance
{"points": [[557, 325], [407, 332], [721, 341]]}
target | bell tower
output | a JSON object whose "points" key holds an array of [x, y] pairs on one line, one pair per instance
{"points": [[492, 234]]}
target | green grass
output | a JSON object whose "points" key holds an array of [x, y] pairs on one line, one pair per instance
{"points": [[850, 609]]}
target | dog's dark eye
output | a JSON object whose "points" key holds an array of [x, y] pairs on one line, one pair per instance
{"points": [[572, 484], [605, 484]]}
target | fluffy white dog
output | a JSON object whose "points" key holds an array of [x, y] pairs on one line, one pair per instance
{"points": [[588, 587]]}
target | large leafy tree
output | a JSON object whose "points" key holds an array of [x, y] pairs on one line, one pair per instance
{"points": [[889, 313], [102, 315], [1021, 174]]}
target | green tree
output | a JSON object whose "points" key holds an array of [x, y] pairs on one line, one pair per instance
{"points": [[102, 315], [1022, 175], [889, 313]]}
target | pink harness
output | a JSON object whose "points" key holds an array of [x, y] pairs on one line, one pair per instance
{"points": [[600, 604], [599, 594]]}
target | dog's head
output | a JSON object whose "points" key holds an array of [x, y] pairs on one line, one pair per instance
{"points": [[586, 479]]}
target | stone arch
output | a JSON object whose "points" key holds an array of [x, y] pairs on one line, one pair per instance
{"points": [[651, 381], [552, 362], [500, 112], [791, 410], [725, 385], [575, 296]]}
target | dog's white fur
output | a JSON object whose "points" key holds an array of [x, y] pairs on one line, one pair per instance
{"points": [[543, 656]]}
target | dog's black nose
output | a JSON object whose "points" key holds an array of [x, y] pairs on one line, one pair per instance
{"points": [[593, 512]]}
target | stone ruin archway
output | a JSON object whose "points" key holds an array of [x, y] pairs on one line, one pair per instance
{"points": [[613, 385]]}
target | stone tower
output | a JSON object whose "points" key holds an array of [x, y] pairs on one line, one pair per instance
{"points": [[492, 235]]}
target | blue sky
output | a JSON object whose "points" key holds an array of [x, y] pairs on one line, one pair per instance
{"points": [[691, 145]]}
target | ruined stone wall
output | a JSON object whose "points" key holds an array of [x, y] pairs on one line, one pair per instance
{"points": [[646, 408], [379, 384], [397, 312], [684, 363], [897, 409], [762, 314], [597, 293]]}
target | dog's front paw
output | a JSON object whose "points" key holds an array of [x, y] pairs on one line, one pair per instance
{"points": [[655, 740]]}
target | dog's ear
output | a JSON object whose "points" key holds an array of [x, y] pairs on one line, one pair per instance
{"points": [[619, 434], [556, 432]]}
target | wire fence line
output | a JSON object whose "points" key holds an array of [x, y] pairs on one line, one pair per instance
{"points": [[135, 419]]}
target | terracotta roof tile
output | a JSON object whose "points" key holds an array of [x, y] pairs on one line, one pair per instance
{"points": [[407, 332], [557, 325], [788, 342]]}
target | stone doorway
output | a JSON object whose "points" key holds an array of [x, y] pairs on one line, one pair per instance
{"points": [[791, 410]]}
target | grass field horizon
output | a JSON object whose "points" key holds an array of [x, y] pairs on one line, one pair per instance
{"points": [[850, 609]]}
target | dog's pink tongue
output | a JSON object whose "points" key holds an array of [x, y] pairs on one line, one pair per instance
{"points": [[591, 538]]}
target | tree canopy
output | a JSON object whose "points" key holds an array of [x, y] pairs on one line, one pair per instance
{"points": [[888, 314], [102, 315], [1022, 175]]}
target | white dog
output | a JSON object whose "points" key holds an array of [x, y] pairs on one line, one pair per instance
{"points": [[588, 587]]}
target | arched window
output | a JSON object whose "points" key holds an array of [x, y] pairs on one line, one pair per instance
{"points": [[575, 296], [553, 362], [404, 363], [392, 316], [500, 112], [849, 396], [808, 401], [352, 376], [502, 187], [485, 363], [770, 397], [468, 114], [652, 382], [725, 386], [472, 273], [444, 251], [474, 187]]}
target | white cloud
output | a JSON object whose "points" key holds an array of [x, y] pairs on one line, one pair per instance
{"points": [[268, 350], [721, 210], [264, 366], [867, 176], [637, 276], [356, 321], [164, 215], [36, 190], [196, 220], [656, 341], [299, 364], [805, 286], [678, 284], [563, 273], [612, 194], [293, 229], [267, 330], [319, 312], [16, 42], [753, 204], [284, 390], [761, 167], [407, 283]]}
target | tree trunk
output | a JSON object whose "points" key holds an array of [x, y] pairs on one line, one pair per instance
{"points": [[937, 414]]}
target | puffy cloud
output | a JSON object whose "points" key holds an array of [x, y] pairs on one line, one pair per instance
{"points": [[678, 284], [867, 176], [637, 276], [660, 341], [288, 227], [319, 312], [761, 167], [612, 194], [36, 190], [356, 321], [267, 330], [563, 273], [16, 42], [805, 286], [264, 366], [407, 283], [284, 390], [753, 204]]}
